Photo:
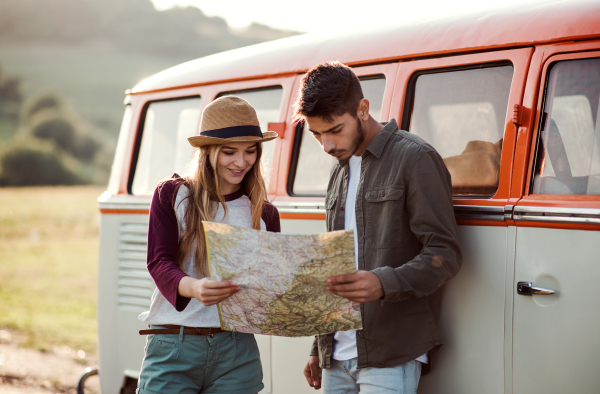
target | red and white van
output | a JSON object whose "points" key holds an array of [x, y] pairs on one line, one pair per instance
{"points": [[509, 98]]}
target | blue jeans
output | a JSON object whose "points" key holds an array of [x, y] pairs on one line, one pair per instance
{"points": [[344, 377]]}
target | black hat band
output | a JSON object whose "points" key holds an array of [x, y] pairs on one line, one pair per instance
{"points": [[234, 131]]}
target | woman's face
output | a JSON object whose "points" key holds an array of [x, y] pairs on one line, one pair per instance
{"points": [[234, 160]]}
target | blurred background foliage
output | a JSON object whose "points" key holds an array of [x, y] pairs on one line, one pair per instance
{"points": [[64, 68], [51, 145]]}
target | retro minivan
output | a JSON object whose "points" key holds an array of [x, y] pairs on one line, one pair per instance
{"points": [[509, 98]]}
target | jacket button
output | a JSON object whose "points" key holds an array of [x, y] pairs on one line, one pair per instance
{"points": [[341, 208]]}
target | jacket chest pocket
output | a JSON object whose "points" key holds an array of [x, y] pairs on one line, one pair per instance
{"points": [[330, 210], [383, 216]]}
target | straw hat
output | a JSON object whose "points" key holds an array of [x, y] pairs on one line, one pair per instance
{"points": [[229, 119]]}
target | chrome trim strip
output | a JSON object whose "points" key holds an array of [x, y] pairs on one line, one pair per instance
{"points": [[465, 212], [283, 204], [557, 211], [509, 212], [300, 207], [558, 215], [477, 212], [308, 211], [558, 219]]}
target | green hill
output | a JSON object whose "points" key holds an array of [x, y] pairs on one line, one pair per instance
{"points": [[91, 51]]}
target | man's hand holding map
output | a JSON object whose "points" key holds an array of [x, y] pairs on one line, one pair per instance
{"points": [[282, 279]]}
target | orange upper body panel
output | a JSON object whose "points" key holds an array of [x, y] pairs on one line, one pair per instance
{"points": [[522, 25], [526, 35]]}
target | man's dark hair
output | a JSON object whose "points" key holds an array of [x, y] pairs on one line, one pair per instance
{"points": [[328, 89]]}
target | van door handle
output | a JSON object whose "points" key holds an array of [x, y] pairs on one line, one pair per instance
{"points": [[527, 288]]}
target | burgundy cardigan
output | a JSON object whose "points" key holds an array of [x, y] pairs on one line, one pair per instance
{"points": [[163, 239]]}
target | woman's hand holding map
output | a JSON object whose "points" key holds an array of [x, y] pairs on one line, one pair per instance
{"points": [[207, 291]]}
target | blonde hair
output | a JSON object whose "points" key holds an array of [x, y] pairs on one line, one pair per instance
{"points": [[204, 198]]}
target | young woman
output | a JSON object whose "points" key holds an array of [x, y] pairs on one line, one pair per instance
{"points": [[186, 350]]}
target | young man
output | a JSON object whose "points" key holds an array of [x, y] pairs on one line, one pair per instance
{"points": [[394, 191]]}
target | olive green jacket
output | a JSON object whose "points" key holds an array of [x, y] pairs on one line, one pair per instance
{"points": [[407, 236]]}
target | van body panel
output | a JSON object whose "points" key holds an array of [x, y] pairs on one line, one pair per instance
{"points": [[302, 226], [119, 343], [557, 336], [473, 318], [289, 357], [266, 351], [110, 379], [495, 29]]}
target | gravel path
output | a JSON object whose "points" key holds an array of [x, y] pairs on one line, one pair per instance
{"points": [[28, 371]]}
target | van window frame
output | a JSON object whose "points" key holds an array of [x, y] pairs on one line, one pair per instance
{"points": [[297, 140], [554, 211], [539, 121], [410, 102], [250, 90], [410, 91], [275, 158], [494, 211], [139, 135], [295, 156]]}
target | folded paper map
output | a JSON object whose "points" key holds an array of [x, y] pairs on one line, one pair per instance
{"points": [[282, 279]]}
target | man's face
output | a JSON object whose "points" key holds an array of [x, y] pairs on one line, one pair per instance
{"points": [[339, 138]]}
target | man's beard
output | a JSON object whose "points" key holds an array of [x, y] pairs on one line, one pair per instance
{"points": [[359, 137]]}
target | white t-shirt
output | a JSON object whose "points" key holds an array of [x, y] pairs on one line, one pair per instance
{"points": [[195, 313], [344, 342]]}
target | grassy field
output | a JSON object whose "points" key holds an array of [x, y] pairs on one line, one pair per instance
{"points": [[48, 265]]}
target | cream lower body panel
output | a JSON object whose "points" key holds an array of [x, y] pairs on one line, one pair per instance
{"points": [[472, 358], [124, 290], [557, 337]]}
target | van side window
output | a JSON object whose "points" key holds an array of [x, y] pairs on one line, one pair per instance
{"points": [[461, 113], [164, 149], [267, 103], [313, 165], [568, 147]]}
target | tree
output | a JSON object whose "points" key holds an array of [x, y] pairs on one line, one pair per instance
{"points": [[33, 162], [10, 98]]}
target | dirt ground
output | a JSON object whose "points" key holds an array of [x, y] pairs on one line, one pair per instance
{"points": [[28, 371]]}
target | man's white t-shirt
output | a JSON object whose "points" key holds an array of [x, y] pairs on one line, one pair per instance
{"points": [[344, 342]]}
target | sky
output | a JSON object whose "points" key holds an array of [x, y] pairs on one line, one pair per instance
{"points": [[323, 15]]}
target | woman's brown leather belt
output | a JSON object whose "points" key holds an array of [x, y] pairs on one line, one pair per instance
{"points": [[174, 329]]}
